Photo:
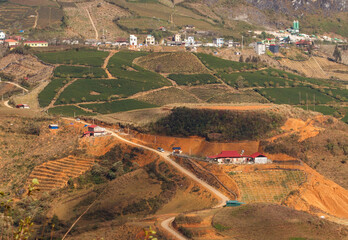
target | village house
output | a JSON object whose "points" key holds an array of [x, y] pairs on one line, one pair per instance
{"points": [[133, 40], [233, 157], [150, 40], [11, 43], [177, 38], [36, 43], [94, 131], [229, 43], [260, 48], [25, 106], [2, 36], [177, 150], [120, 41], [190, 41], [218, 42], [189, 28]]}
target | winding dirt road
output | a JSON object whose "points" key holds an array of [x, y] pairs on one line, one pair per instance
{"points": [[167, 223]]}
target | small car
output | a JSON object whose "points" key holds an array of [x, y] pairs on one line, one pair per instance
{"points": [[160, 149]]}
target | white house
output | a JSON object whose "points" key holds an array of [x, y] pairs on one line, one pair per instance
{"points": [[233, 157], [2, 35], [219, 42], [150, 40], [177, 37], [94, 130], [229, 43], [260, 48], [133, 40], [259, 158], [12, 43], [190, 41]]}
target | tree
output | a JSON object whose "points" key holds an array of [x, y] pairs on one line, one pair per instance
{"points": [[240, 82], [337, 54], [241, 59]]}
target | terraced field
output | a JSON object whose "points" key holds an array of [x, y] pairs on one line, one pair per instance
{"points": [[267, 186], [55, 174], [88, 57]]}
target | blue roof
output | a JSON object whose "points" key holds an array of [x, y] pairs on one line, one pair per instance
{"points": [[176, 148]]}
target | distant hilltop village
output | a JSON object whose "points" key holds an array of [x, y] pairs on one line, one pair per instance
{"points": [[188, 38]]}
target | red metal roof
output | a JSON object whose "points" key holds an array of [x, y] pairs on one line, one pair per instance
{"points": [[93, 126], [35, 42], [10, 40], [227, 154]]}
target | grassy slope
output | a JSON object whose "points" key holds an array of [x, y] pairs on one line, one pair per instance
{"points": [[193, 79], [48, 93], [69, 111], [79, 72]]}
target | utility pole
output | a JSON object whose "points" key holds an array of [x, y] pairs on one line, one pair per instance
{"points": [[242, 42]]}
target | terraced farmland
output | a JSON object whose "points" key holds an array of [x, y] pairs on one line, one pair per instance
{"points": [[118, 106], [193, 79], [55, 174], [79, 72], [219, 64], [296, 95], [87, 57], [49, 92], [267, 186]]}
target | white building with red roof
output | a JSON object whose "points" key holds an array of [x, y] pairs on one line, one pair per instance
{"points": [[233, 157], [94, 131], [12, 42]]}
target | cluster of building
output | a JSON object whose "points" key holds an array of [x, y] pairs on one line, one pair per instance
{"points": [[233, 157], [289, 36], [15, 41]]}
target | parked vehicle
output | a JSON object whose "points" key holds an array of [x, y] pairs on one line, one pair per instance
{"points": [[160, 149]]}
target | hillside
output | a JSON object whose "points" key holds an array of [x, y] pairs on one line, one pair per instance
{"points": [[251, 221]]}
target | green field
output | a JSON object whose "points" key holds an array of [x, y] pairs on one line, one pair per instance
{"points": [[293, 95], [345, 119], [69, 111], [118, 106], [90, 90], [79, 72], [193, 79], [326, 110], [121, 66], [87, 57], [219, 64], [48, 93]]}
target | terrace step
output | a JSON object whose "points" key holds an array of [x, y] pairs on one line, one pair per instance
{"points": [[56, 174]]}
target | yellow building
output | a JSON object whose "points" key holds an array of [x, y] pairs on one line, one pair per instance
{"points": [[36, 43]]}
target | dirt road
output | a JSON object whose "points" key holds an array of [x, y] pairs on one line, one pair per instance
{"points": [[7, 105], [17, 85], [167, 224], [95, 29]]}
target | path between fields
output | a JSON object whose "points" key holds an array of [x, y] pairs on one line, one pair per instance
{"points": [[7, 105], [95, 29], [167, 223], [106, 62], [59, 92], [36, 18]]}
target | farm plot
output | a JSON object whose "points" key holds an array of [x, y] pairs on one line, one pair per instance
{"points": [[118, 106], [267, 186], [341, 94], [69, 111], [345, 118], [79, 72], [193, 79], [48, 93], [176, 62], [141, 23], [91, 90], [87, 57], [296, 95], [50, 17], [326, 110], [121, 66], [258, 78], [219, 64], [16, 16]]}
